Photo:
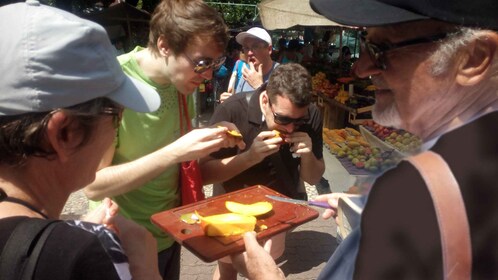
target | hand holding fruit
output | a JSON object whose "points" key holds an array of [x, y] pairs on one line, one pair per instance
{"points": [[264, 145]]}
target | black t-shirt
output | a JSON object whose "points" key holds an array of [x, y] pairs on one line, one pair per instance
{"points": [[75, 250], [247, 116], [400, 236]]}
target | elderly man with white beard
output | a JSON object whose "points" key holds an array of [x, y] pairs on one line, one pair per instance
{"points": [[435, 67]]}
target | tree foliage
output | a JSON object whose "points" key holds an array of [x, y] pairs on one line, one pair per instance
{"points": [[236, 13]]}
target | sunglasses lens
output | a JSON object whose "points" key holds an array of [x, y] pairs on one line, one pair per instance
{"points": [[205, 64], [283, 120]]}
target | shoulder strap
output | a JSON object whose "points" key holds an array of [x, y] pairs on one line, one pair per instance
{"points": [[451, 214], [20, 254]]}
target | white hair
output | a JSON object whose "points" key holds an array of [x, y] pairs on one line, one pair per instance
{"points": [[448, 49]]}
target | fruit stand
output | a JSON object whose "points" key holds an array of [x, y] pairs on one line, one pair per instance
{"points": [[371, 150], [340, 107]]}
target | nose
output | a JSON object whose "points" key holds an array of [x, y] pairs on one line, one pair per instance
{"points": [[364, 67], [289, 128]]}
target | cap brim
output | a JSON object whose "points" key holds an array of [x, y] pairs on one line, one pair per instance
{"points": [[241, 36], [136, 96], [363, 12]]}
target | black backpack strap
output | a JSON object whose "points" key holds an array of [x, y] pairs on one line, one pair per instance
{"points": [[20, 254]]}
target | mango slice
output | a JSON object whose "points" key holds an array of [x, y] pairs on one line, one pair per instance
{"points": [[277, 134], [227, 224], [255, 209], [234, 133]]}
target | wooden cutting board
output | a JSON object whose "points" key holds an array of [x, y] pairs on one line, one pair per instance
{"points": [[283, 217]]}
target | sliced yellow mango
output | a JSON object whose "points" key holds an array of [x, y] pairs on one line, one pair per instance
{"points": [[255, 209], [233, 132], [227, 224]]}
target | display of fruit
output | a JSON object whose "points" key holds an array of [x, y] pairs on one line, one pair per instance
{"points": [[320, 83], [350, 144], [399, 139], [342, 96], [358, 101]]}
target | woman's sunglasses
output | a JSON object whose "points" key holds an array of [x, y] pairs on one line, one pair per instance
{"points": [[201, 65]]}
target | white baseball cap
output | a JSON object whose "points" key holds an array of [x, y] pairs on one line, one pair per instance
{"points": [[54, 59], [256, 32]]}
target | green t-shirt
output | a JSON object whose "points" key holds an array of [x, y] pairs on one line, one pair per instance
{"points": [[139, 135]]}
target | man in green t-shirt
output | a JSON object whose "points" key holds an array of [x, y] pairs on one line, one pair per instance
{"points": [[186, 44]]}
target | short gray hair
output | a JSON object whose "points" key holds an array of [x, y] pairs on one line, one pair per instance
{"points": [[447, 50]]}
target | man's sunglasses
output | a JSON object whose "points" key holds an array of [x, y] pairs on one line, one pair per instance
{"points": [[377, 53], [283, 120], [201, 65]]}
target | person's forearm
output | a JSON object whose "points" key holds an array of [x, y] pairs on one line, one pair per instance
{"points": [[311, 169], [221, 170], [115, 180]]}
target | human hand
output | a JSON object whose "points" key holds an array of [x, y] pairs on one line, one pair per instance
{"points": [[233, 140], [140, 248], [224, 96], [264, 145], [104, 214], [256, 263], [253, 76], [200, 142], [300, 143], [333, 201]]}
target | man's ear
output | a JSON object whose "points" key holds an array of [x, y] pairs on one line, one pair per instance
{"points": [[163, 46], [477, 59], [63, 136], [264, 98]]}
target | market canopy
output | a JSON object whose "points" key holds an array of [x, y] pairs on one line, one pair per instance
{"points": [[283, 14]]}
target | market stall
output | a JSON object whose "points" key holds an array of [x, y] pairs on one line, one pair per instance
{"points": [[282, 14]]}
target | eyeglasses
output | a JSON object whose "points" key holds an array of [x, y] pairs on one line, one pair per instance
{"points": [[252, 48], [284, 120], [201, 65], [377, 53], [115, 112]]}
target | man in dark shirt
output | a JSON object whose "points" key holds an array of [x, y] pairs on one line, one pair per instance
{"points": [[277, 161], [283, 135]]}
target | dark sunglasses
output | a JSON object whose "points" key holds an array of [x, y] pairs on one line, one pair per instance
{"points": [[201, 65], [377, 53], [283, 120]]}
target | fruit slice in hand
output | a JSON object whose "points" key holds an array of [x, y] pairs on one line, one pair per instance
{"points": [[227, 224], [255, 209], [234, 133]]}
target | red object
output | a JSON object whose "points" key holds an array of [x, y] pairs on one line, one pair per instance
{"points": [[284, 216], [190, 173]]}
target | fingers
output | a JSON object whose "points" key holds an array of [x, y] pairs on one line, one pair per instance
{"points": [[267, 245]]}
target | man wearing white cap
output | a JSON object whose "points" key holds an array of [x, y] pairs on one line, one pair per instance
{"points": [[257, 46]]}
